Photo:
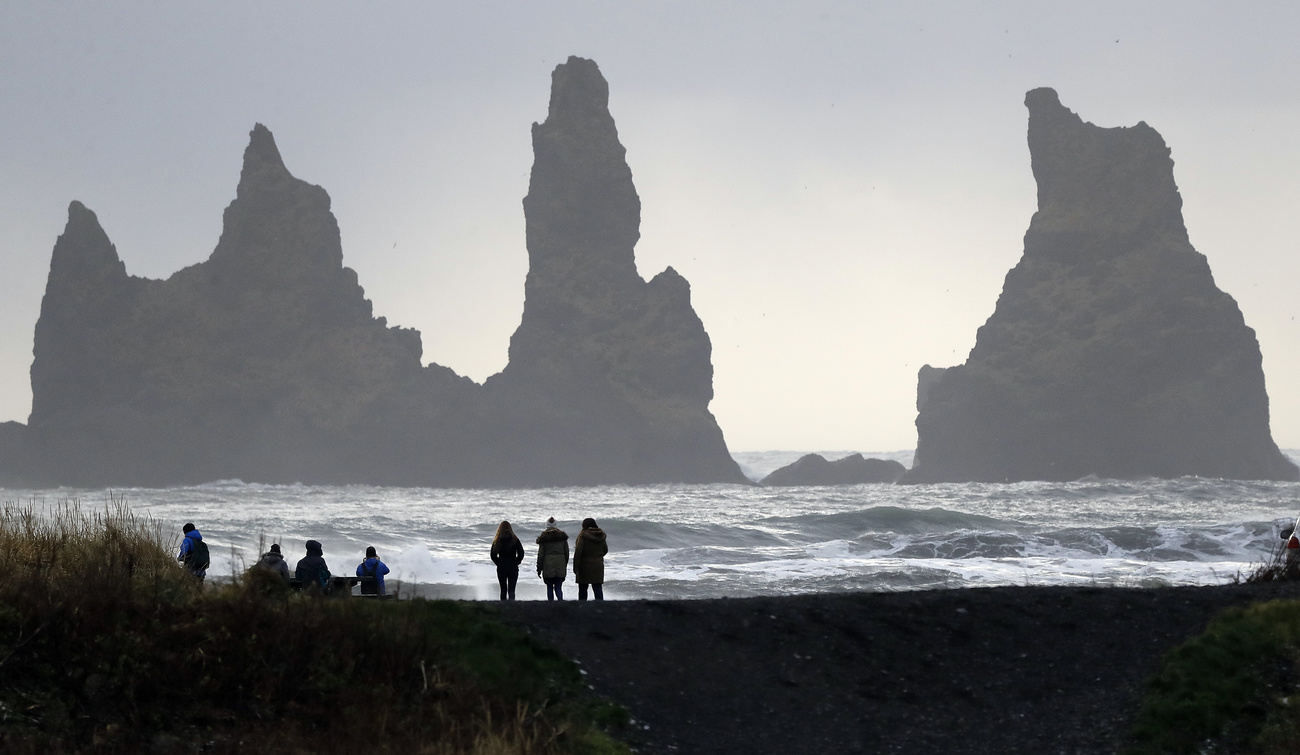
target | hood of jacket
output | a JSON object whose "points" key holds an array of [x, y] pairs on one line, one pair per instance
{"points": [[193, 535], [314, 548], [551, 535], [594, 534], [272, 557]]}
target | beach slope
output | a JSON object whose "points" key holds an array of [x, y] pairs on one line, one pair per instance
{"points": [[981, 670]]}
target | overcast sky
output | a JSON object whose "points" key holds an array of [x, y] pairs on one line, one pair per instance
{"points": [[845, 185]]}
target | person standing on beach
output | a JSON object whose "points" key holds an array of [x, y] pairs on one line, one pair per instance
{"points": [[589, 560], [372, 567], [312, 571], [274, 561], [553, 559], [194, 552], [507, 553]]}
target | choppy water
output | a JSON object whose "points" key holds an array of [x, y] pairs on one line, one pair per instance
{"points": [[700, 541]]}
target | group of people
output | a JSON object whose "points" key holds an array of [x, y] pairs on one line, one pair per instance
{"points": [[507, 553], [553, 559], [312, 572]]}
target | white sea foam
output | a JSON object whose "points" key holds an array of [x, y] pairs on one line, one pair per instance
{"points": [[712, 540]]}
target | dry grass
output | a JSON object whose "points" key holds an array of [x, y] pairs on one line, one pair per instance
{"points": [[65, 549], [1277, 567], [108, 645]]}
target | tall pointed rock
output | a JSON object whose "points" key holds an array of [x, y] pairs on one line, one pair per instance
{"points": [[87, 295], [610, 376], [265, 362], [1111, 350]]}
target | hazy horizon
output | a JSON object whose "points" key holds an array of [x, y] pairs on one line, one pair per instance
{"points": [[844, 185]]}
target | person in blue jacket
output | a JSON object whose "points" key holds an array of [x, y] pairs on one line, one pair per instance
{"points": [[194, 552], [372, 567]]}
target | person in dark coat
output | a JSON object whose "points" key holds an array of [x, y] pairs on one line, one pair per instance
{"points": [[589, 560], [373, 567], [553, 559], [312, 571], [507, 553], [274, 561]]}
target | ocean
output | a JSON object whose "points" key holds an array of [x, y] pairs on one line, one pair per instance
{"points": [[710, 541]]}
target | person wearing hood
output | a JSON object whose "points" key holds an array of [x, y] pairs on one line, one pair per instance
{"points": [[372, 567], [273, 561], [194, 552], [312, 571], [553, 559], [507, 553], [589, 560]]}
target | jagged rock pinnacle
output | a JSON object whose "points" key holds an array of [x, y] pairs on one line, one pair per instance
{"points": [[1111, 351], [262, 161], [84, 249], [265, 361]]}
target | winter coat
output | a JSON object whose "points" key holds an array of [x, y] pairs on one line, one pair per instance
{"points": [[311, 566], [508, 555], [373, 567], [589, 557], [274, 562], [553, 553], [187, 546]]}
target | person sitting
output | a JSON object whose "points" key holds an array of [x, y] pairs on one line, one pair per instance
{"points": [[372, 567], [312, 571], [273, 561]]}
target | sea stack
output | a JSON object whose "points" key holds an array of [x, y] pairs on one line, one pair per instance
{"points": [[265, 362], [1111, 351], [610, 376], [854, 469]]}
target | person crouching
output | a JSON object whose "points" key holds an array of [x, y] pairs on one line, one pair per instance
{"points": [[553, 559]]}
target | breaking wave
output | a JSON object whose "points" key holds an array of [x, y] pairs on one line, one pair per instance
{"points": [[696, 541]]}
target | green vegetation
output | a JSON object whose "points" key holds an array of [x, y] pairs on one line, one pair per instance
{"points": [[1232, 689], [106, 644]]}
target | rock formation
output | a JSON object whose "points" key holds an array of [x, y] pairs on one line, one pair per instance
{"points": [[604, 366], [13, 457], [814, 469], [265, 361], [1111, 350]]}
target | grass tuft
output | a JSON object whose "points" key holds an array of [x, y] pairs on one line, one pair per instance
{"points": [[1279, 566], [1229, 689], [108, 645]]}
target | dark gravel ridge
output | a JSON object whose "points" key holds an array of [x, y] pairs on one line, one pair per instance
{"points": [[980, 670]]}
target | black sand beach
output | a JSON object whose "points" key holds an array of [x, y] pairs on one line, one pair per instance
{"points": [[982, 670]]}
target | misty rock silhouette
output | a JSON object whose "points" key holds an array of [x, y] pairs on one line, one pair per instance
{"points": [[265, 362], [814, 469], [1111, 350], [604, 366]]}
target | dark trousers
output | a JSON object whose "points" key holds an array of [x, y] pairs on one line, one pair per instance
{"points": [[555, 588], [596, 590], [508, 582]]}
